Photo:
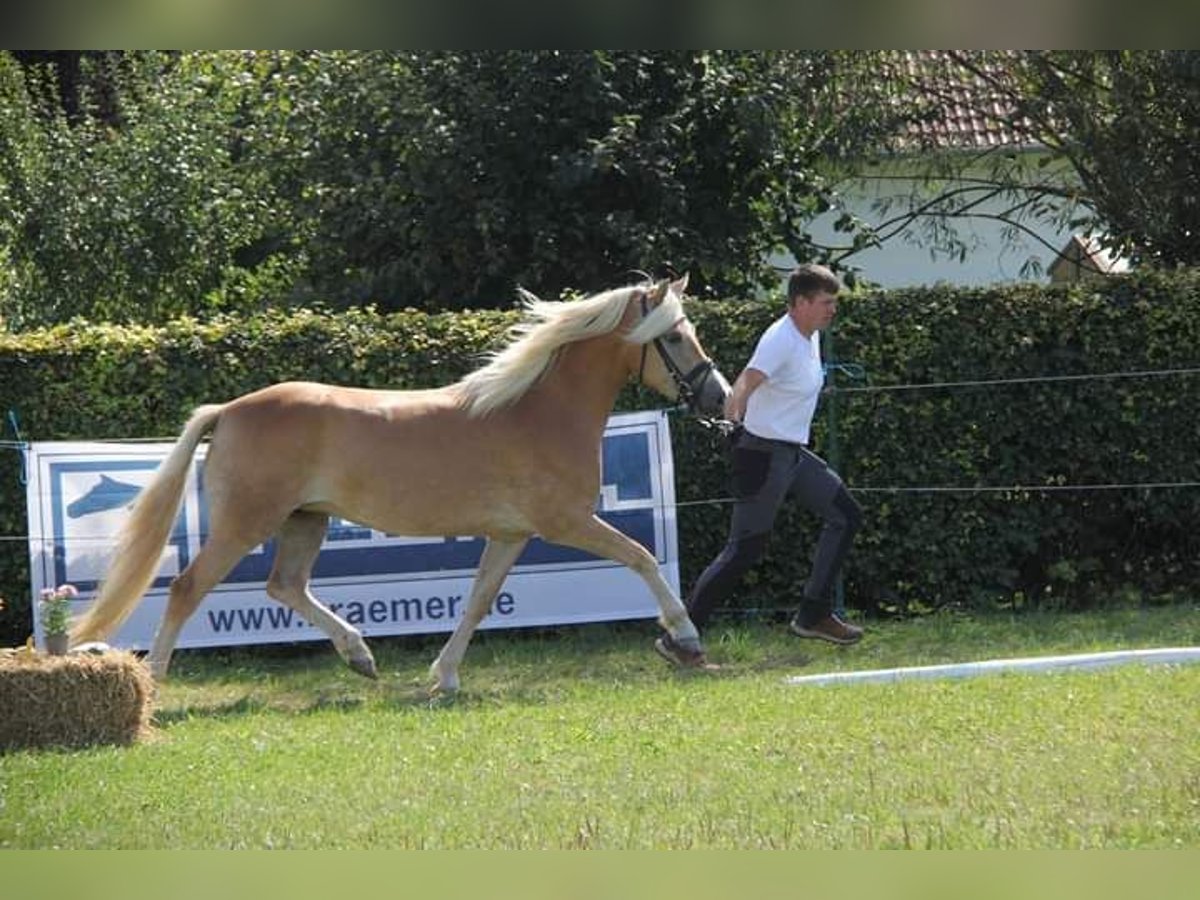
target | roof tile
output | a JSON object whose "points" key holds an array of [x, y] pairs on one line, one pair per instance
{"points": [[964, 111]]}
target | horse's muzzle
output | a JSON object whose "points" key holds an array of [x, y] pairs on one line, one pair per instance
{"points": [[709, 393]]}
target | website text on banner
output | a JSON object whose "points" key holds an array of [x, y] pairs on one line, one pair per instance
{"points": [[79, 493]]}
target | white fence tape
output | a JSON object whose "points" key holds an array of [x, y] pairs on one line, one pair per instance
{"points": [[1173, 655]]}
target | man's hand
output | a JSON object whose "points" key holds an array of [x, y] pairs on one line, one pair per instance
{"points": [[747, 383]]}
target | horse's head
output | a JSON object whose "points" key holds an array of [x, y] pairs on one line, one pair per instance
{"points": [[672, 360]]}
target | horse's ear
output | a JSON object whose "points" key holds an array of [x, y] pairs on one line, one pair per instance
{"points": [[680, 284], [659, 291]]}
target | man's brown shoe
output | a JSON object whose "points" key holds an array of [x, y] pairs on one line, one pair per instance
{"points": [[832, 628]]}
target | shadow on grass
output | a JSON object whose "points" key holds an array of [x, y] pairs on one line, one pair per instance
{"points": [[546, 667], [478, 693], [242, 706], [771, 662], [293, 702]]}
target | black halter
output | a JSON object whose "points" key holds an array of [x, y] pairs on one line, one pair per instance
{"points": [[689, 384]]}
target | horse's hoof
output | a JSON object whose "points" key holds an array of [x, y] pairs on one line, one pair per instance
{"points": [[691, 646], [364, 666], [443, 686], [440, 698]]}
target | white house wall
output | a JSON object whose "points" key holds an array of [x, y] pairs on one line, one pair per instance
{"points": [[905, 259]]}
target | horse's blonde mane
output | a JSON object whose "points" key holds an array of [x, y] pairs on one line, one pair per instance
{"points": [[545, 328]]}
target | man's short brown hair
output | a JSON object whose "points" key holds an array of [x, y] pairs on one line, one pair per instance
{"points": [[808, 279]]}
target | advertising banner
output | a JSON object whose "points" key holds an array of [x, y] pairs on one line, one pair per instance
{"points": [[383, 584]]}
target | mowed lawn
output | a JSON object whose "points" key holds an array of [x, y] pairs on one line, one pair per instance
{"points": [[582, 738]]}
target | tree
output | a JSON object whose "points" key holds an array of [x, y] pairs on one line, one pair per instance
{"points": [[79, 78], [1119, 129], [213, 181], [1128, 122], [447, 179], [140, 221]]}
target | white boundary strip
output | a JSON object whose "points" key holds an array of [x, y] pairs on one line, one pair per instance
{"points": [[1176, 655]]}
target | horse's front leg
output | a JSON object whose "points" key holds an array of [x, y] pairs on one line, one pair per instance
{"points": [[498, 558], [598, 537]]}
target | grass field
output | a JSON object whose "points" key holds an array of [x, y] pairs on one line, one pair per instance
{"points": [[582, 738]]}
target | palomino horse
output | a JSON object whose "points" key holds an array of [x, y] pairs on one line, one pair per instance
{"points": [[511, 451]]}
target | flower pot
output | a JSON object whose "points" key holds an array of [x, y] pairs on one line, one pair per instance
{"points": [[56, 644]]}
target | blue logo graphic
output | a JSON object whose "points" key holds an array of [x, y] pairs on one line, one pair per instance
{"points": [[88, 501], [107, 494]]}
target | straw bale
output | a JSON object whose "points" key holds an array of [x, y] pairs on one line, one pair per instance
{"points": [[71, 701]]}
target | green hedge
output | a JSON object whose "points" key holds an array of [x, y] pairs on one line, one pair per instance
{"points": [[1067, 549], [919, 550]]}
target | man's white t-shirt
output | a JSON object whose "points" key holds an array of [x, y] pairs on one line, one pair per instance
{"points": [[783, 406]]}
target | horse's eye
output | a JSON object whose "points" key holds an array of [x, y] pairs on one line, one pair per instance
{"points": [[674, 338]]}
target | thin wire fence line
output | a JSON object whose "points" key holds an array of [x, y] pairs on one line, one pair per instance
{"points": [[991, 489], [24, 445], [913, 489], [1030, 488], [915, 386], [1031, 379], [719, 501]]}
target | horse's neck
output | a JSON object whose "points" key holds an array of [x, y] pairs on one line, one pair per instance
{"points": [[578, 393]]}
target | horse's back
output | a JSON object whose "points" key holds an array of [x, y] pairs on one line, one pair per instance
{"points": [[314, 397], [306, 425], [411, 462]]}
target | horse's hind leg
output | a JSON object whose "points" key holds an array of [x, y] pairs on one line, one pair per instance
{"points": [[498, 558], [299, 542], [214, 561], [598, 537]]}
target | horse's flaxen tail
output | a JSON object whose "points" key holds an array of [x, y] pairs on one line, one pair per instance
{"points": [[143, 536]]}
